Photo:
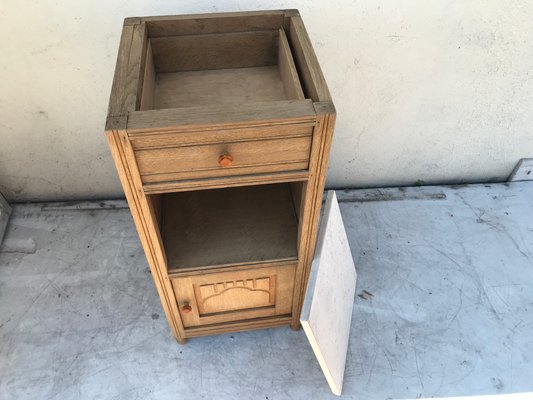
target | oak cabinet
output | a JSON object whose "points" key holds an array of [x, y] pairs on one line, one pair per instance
{"points": [[220, 126]]}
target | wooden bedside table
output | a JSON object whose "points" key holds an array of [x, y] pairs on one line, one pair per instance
{"points": [[220, 126]]}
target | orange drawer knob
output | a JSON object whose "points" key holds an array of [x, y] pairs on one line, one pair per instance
{"points": [[186, 308], [225, 160]]}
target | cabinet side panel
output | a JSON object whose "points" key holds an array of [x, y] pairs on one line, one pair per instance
{"points": [[121, 72], [144, 217], [306, 62], [129, 71], [287, 69], [313, 202], [148, 85]]}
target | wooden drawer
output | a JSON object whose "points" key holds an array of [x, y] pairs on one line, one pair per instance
{"points": [[232, 296], [163, 157]]}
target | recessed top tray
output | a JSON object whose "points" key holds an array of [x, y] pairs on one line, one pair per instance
{"points": [[214, 69]]}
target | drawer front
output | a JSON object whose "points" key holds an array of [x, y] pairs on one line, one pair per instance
{"points": [[233, 296], [174, 157]]}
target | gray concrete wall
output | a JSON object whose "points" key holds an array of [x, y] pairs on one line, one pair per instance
{"points": [[438, 91]]}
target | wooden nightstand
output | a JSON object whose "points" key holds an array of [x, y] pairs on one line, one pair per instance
{"points": [[220, 126]]}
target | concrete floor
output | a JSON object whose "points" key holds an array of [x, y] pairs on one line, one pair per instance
{"points": [[444, 306]]}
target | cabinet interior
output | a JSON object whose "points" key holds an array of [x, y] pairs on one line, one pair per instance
{"points": [[230, 226]]}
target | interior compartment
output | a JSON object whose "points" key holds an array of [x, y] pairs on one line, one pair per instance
{"points": [[214, 69], [230, 226]]}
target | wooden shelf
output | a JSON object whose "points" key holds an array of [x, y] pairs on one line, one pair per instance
{"points": [[232, 226]]}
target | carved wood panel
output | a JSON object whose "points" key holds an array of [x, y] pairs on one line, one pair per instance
{"points": [[235, 295]]}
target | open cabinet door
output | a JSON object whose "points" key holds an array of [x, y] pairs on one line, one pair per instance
{"points": [[327, 310]]}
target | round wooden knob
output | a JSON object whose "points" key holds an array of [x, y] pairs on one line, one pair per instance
{"points": [[225, 160], [186, 308]]}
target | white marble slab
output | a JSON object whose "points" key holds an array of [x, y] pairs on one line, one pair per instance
{"points": [[327, 310]]}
